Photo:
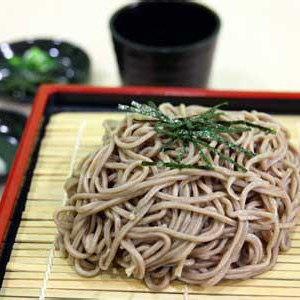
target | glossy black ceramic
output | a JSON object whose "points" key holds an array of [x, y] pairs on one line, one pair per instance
{"points": [[11, 127], [74, 62], [165, 43]]}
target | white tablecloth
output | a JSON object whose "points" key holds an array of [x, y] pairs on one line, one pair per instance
{"points": [[258, 49]]}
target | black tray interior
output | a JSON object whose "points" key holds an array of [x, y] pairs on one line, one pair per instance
{"points": [[61, 102]]}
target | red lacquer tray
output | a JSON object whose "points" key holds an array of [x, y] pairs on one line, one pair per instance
{"points": [[51, 99]]}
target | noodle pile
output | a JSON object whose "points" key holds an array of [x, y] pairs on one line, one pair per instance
{"points": [[197, 226]]}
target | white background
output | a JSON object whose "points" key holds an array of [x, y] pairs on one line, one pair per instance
{"points": [[258, 48]]}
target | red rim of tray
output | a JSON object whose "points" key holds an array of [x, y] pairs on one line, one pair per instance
{"points": [[20, 164]]}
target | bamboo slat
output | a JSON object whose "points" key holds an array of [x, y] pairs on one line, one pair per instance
{"points": [[35, 230], [31, 246], [36, 271], [103, 295], [40, 224], [29, 260], [19, 298], [17, 292]]}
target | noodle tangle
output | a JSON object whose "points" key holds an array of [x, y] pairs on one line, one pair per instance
{"points": [[193, 225]]}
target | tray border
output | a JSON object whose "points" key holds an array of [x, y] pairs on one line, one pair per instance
{"points": [[42, 98]]}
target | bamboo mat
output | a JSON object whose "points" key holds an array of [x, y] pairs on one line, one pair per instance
{"points": [[37, 271]]}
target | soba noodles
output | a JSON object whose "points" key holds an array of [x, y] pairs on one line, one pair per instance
{"points": [[198, 226]]}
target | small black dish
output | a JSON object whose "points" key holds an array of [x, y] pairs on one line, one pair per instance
{"points": [[165, 43], [26, 64], [11, 127]]}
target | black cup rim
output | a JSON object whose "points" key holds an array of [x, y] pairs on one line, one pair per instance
{"points": [[138, 46]]}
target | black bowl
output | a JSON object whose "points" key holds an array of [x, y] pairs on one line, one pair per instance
{"points": [[165, 43], [74, 67], [11, 127]]}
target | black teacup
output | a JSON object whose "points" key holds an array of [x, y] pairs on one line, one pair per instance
{"points": [[165, 43]]}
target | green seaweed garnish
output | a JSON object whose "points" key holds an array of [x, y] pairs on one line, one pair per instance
{"points": [[200, 130]]}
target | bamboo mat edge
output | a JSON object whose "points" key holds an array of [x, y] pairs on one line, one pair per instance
{"points": [[45, 287]]}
